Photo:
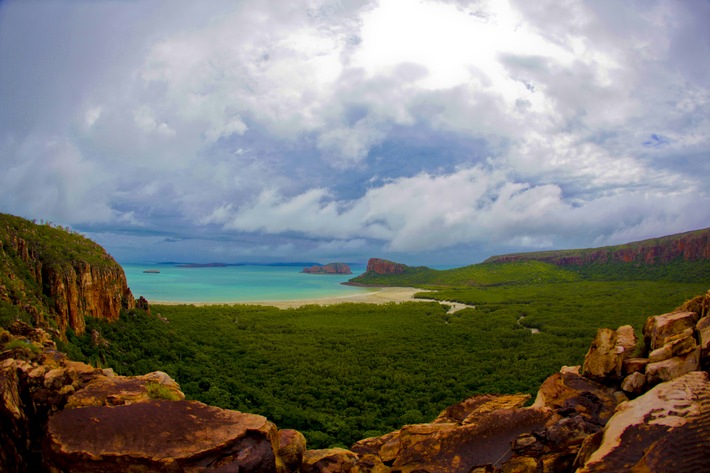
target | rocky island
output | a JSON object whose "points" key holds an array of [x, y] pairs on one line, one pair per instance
{"points": [[331, 268]]}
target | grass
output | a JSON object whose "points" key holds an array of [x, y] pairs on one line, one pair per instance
{"points": [[158, 391]]}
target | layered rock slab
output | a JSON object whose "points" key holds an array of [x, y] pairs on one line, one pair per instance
{"points": [[666, 429], [171, 436]]}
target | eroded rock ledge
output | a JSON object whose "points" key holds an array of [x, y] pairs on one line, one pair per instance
{"points": [[618, 412]]}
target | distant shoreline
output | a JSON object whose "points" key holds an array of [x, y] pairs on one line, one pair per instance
{"points": [[382, 295]]}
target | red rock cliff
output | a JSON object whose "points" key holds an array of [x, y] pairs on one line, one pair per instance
{"points": [[66, 287], [690, 246], [382, 266]]}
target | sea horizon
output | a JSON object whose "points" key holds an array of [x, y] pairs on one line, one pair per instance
{"points": [[236, 282]]}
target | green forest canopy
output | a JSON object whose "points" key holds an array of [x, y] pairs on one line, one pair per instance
{"points": [[345, 372]]}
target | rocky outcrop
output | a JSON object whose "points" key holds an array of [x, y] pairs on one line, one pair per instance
{"points": [[62, 282], [330, 268], [82, 290], [59, 415], [383, 266], [666, 429], [608, 351], [689, 246], [619, 412], [160, 435]]}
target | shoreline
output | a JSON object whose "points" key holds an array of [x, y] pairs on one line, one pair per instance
{"points": [[382, 295]]}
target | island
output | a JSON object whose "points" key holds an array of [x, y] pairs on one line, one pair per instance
{"points": [[330, 268]]}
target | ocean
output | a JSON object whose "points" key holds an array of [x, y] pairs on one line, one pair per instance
{"points": [[235, 283]]}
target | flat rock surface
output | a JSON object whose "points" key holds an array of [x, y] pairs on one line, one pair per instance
{"points": [[161, 434], [665, 430]]}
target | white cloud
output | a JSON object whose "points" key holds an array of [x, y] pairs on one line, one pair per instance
{"points": [[145, 119], [472, 205], [272, 117]]}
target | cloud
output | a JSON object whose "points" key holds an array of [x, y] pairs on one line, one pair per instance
{"points": [[470, 206], [392, 125]]}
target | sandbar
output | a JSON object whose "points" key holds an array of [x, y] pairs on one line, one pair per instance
{"points": [[380, 295]]}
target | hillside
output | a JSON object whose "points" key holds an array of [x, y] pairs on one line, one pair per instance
{"points": [[52, 277], [386, 273], [678, 257], [684, 257]]}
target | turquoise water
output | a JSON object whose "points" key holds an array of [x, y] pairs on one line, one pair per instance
{"points": [[235, 283]]}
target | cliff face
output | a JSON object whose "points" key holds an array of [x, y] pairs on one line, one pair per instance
{"points": [[382, 266], [690, 246], [63, 284], [331, 268]]}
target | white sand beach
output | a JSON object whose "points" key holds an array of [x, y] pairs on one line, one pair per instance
{"points": [[376, 296]]}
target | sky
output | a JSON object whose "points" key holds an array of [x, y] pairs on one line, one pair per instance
{"points": [[425, 132]]}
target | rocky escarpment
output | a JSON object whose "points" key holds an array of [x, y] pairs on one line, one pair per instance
{"points": [[689, 246], [330, 268], [383, 266], [57, 277], [620, 411]]}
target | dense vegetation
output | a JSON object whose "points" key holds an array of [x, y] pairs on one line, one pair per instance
{"points": [[345, 372], [483, 274]]}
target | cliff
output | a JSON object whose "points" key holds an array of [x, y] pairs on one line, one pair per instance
{"points": [[52, 277], [689, 246], [383, 266], [621, 410], [330, 268]]}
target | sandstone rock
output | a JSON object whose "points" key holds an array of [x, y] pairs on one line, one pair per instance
{"points": [[528, 445], [703, 328], [460, 448], [14, 443], [56, 378], [483, 469], [142, 303], [120, 390], [665, 430], [568, 431], [699, 304], [292, 447], [569, 393], [520, 465], [635, 383], [559, 461], [626, 339], [671, 368], [332, 460], [160, 436], [602, 360], [370, 464], [633, 365], [386, 446], [607, 352], [676, 345], [589, 446], [478, 405], [660, 327]]}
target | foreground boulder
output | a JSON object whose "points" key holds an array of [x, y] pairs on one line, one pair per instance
{"points": [[667, 429], [160, 435]]}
